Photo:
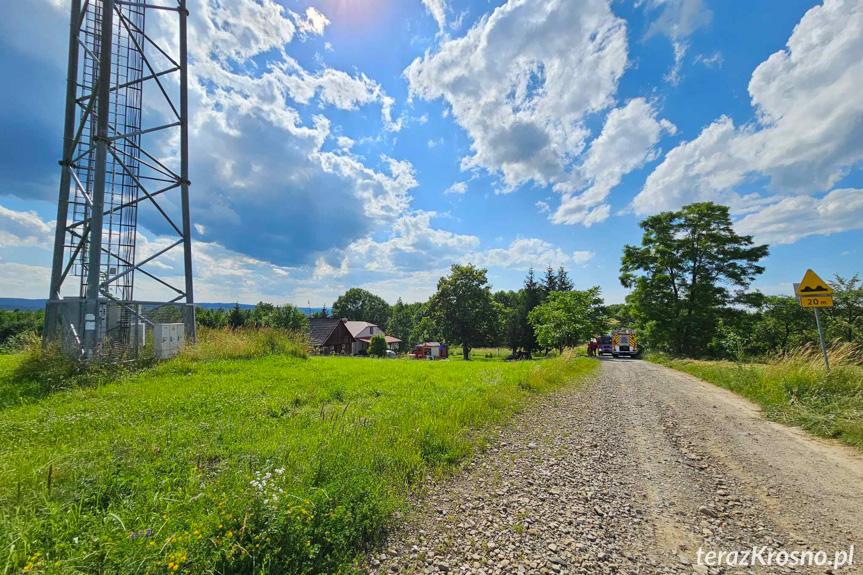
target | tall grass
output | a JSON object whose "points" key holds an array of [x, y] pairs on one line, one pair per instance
{"points": [[796, 388], [43, 370], [246, 344], [274, 464]]}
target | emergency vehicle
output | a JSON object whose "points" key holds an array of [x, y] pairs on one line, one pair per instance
{"points": [[430, 350], [623, 343], [603, 344]]}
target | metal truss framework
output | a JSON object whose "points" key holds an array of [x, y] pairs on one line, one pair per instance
{"points": [[108, 174]]}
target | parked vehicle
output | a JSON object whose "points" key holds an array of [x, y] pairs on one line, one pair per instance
{"points": [[624, 344], [603, 344], [430, 351]]}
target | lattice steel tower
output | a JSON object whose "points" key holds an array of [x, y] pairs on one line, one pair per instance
{"points": [[110, 181]]}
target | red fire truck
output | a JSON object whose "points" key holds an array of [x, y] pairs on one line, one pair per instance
{"points": [[430, 350]]}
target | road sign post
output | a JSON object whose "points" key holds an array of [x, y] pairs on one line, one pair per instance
{"points": [[814, 292], [821, 337]]}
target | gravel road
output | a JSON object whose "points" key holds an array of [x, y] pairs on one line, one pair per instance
{"points": [[634, 473]]}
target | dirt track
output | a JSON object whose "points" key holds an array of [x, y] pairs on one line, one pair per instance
{"points": [[634, 474]]}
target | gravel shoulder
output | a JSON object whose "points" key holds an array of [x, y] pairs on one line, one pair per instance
{"points": [[633, 473]]}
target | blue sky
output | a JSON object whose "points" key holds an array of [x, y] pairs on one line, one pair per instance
{"points": [[340, 143]]}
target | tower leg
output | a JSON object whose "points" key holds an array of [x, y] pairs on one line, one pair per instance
{"points": [[92, 323], [189, 313], [52, 311]]}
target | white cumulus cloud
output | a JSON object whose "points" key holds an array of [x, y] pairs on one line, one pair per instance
{"points": [[806, 136], [627, 141], [457, 188], [438, 10], [796, 217], [24, 229], [522, 80]]}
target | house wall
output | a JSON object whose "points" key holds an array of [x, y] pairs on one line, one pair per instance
{"points": [[370, 331]]}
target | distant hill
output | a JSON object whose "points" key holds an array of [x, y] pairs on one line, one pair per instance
{"points": [[12, 303]]}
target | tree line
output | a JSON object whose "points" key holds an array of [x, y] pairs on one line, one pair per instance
{"points": [[546, 313], [690, 295], [689, 282]]}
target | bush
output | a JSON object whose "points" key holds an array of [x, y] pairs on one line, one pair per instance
{"points": [[16, 327], [378, 346]]}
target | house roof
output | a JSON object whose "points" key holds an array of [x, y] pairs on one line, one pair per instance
{"points": [[355, 327], [390, 339], [320, 329]]}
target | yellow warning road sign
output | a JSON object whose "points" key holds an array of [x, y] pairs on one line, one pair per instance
{"points": [[812, 285], [816, 301]]}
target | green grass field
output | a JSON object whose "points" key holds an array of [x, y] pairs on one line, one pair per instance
{"points": [[269, 465], [794, 390]]}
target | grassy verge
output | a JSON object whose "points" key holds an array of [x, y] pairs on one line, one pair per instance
{"points": [[277, 464], [36, 372], [500, 353], [795, 390]]}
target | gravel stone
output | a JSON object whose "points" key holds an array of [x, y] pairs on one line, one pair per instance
{"points": [[632, 474]]}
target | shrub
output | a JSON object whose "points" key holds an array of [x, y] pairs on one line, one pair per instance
{"points": [[378, 346]]}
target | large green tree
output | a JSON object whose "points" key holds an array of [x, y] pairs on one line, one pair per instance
{"points": [[463, 308], [288, 317], [563, 281], [531, 296], [509, 302], [237, 317], [403, 321], [782, 324], [691, 265], [846, 317], [358, 304], [549, 282], [565, 319]]}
